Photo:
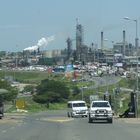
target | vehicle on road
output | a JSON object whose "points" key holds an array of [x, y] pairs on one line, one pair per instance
{"points": [[100, 110], [1, 110], [77, 108]]}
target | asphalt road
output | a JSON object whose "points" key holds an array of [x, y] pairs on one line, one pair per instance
{"points": [[54, 125], [105, 80]]}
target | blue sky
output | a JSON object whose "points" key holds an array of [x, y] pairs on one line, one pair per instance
{"points": [[24, 22]]}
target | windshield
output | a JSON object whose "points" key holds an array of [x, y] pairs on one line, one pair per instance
{"points": [[79, 105], [100, 104]]}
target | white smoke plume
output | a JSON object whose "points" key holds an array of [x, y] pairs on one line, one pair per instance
{"points": [[42, 43]]}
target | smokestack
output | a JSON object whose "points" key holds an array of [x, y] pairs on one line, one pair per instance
{"points": [[123, 42], [102, 40], [38, 50]]}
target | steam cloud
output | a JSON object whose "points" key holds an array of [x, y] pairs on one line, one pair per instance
{"points": [[42, 43]]}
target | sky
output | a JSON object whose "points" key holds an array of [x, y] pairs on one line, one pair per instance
{"points": [[24, 22]]}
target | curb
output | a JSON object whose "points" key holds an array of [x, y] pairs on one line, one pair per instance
{"points": [[128, 120]]}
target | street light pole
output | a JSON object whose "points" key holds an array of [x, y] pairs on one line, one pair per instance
{"points": [[137, 79], [137, 85]]}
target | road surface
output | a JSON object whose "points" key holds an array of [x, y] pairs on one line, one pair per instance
{"points": [[54, 125]]}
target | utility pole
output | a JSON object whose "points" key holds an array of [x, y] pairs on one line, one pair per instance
{"points": [[137, 78]]}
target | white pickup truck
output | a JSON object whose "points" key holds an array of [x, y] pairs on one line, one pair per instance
{"points": [[100, 110]]}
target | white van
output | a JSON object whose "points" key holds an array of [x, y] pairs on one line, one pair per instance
{"points": [[77, 108]]}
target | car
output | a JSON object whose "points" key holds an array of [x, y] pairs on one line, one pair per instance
{"points": [[77, 108], [100, 110]]}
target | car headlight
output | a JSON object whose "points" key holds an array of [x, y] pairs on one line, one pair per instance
{"points": [[92, 111], [110, 112]]}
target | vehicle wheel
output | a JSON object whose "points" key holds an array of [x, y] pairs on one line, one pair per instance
{"points": [[71, 115], [110, 120], [68, 114], [89, 120]]}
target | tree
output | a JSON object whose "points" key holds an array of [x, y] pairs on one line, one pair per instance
{"points": [[29, 88], [132, 84], [76, 90], [51, 91], [8, 93]]}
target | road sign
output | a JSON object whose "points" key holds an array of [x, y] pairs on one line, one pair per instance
{"points": [[94, 97], [20, 104]]}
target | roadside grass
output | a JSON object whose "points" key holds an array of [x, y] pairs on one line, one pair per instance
{"points": [[57, 106], [22, 76], [124, 82], [33, 107]]}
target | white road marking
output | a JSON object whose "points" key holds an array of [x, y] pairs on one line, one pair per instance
{"points": [[12, 127], [4, 131], [56, 119]]}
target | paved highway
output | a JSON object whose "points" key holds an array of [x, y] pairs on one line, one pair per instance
{"points": [[105, 80], [54, 125]]}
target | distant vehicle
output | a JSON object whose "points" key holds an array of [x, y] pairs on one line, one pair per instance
{"points": [[1, 110], [59, 69], [131, 75], [92, 73], [100, 110], [77, 108]]}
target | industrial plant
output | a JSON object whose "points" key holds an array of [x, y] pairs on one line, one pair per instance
{"points": [[121, 54]]}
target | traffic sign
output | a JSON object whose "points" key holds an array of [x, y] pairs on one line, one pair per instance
{"points": [[20, 104]]}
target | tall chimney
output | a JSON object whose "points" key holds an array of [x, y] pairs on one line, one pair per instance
{"points": [[123, 42], [102, 40]]}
